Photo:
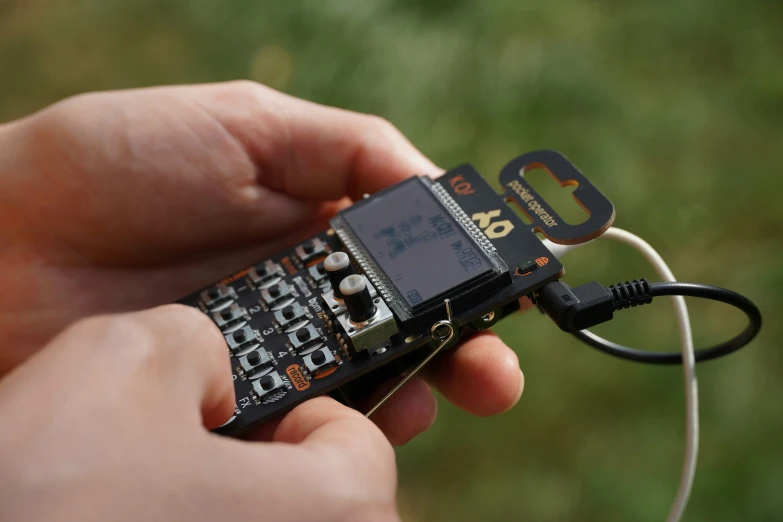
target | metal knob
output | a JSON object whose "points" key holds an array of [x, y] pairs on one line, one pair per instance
{"points": [[356, 295], [338, 267]]}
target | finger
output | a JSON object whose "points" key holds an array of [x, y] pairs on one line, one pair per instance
{"points": [[307, 419], [354, 446], [190, 356], [481, 375], [313, 151], [411, 411], [408, 413], [266, 152], [326, 425], [172, 360], [337, 458]]}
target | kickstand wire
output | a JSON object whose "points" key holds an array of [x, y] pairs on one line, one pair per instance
{"points": [[444, 332]]}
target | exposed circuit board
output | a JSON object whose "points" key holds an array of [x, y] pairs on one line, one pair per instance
{"points": [[334, 314]]}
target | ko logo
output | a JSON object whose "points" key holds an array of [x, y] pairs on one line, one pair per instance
{"points": [[492, 229], [460, 186]]}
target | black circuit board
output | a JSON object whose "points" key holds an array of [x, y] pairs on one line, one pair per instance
{"points": [[251, 302]]}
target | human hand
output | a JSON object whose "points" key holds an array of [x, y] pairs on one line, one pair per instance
{"points": [[123, 200], [141, 387]]}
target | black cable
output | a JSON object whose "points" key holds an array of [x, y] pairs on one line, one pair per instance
{"points": [[632, 294]]}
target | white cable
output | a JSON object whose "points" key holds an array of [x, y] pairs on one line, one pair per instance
{"points": [[688, 361]]}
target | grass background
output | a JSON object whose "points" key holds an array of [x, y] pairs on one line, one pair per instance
{"points": [[674, 108]]}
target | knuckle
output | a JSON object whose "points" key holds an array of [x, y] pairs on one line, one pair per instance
{"points": [[103, 325], [246, 89], [61, 126], [244, 85], [382, 125], [120, 331], [183, 314], [145, 333], [51, 122], [63, 113], [192, 327], [190, 323]]}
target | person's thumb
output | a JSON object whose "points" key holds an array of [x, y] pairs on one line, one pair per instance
{"points": [[170, 360]]}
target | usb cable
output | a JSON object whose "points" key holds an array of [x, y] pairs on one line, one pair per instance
{"points": [[576, 309]]}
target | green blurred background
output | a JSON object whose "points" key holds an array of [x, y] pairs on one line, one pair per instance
{"points": [[674, 108]]}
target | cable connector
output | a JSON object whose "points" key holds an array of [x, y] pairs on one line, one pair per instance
{"points": [[576, 308], [590, 304], [631, 293]]}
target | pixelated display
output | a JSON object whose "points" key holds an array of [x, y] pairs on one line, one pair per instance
{"points": [[416, 242]]}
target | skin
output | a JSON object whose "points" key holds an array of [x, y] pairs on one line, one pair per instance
{"points": [[116, 202]]}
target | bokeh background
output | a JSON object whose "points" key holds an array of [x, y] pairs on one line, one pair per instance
{"points": [[674, 108]]}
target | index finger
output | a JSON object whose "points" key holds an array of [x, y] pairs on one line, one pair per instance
{"points": [[313, 151]]}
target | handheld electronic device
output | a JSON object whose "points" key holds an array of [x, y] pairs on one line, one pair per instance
{"points": [[401, 274]]}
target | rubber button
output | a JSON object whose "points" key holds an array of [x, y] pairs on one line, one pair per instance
{"points": [[267, 382], [254, 358], [318, 357]]}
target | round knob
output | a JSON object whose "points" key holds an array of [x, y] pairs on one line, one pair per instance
{"points": [[274, 291], [303, 334], [356, 295], [308, 247], [253, 358], [227, 314], [267, 382], [288, 312], [318, 357], [338, 267], [240, 335], [213, 293]]}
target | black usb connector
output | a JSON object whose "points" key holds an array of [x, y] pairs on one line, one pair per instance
{"points": [[576, 309]]}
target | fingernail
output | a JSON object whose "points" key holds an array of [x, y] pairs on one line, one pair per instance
{"points": [[434, 412], [519, 391]]}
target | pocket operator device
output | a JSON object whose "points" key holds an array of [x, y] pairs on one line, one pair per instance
{"points": [[401, 274]]}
